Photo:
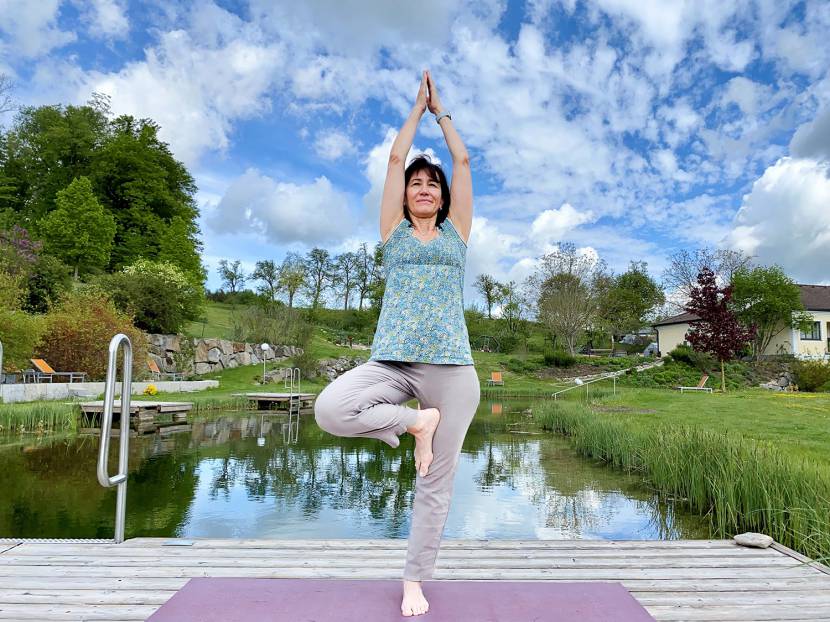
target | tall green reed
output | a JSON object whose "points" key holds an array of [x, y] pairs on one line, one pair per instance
{"points": [[740, 484]]}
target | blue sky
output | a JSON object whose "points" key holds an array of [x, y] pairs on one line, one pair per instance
{"points": [[632, 128]]}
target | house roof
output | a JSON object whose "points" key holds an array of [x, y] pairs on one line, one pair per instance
{"points": [[813, 297], [683, 318]]}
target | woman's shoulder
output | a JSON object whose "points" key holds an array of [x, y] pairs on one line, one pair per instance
{"points": [[455, 229], [392, 231]]}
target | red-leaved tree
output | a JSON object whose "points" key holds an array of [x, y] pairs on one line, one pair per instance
{"points": [[718, 331]]}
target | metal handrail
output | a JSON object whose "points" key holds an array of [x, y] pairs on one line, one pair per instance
{"points": [[120, 479], [585, 384]]}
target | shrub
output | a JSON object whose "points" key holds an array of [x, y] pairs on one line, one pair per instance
{"points": [[277, 325], [158, 294], [559, 358], [19, 331], [151, 390], [79, 330], [682, 353], [811, 375]]}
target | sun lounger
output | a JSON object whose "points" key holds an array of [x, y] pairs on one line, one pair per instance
{"points": [[700, 385], [157, 373], [44, 373]]}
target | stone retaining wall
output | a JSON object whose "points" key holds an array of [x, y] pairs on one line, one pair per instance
{"points": [[205, 355]]}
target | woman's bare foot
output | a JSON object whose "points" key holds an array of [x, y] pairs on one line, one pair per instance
{"points": [[413, 603], [423, 431]]}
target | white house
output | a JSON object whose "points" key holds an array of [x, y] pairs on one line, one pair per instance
{"points": [[813, 343]]}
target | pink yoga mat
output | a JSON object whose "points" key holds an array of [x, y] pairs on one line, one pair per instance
{"points": [[336, 600]]}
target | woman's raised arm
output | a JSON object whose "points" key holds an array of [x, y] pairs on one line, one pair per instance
{"points": [[461, 187], [391, 205]]}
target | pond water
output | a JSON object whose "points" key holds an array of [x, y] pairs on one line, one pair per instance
{"points": [[257, 475]]}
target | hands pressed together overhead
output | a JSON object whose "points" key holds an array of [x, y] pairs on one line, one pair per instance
{"points": [[428, 95]]}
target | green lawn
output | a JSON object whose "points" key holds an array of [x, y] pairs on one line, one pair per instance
{"points": [[795, 422]]}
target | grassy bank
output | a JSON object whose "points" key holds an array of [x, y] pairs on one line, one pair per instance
{"points": [[741, 468]]}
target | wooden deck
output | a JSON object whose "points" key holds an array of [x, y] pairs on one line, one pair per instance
{"points": [[145, 416], [674, 580]]}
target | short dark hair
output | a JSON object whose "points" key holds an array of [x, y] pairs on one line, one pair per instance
{"points": [[423, 163]]}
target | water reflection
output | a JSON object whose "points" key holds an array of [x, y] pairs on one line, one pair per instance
{"points": [[268, 475]]}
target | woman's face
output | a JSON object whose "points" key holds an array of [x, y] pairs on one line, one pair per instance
{"points": [[423, 195]]}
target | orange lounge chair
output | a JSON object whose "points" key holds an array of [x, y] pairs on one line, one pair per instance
{"points": [[43, 372], [157, 373], [495, 378]]}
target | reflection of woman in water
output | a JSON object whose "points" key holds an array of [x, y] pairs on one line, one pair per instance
{"points": [[421, 347]]}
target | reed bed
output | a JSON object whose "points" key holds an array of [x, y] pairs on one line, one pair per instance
{"points": [[38, 417], [740, 484]]}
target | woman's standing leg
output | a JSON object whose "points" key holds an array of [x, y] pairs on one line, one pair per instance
{"points": [[455, 391]]}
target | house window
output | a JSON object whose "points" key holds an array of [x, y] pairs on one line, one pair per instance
{"points": [[814, 334]]}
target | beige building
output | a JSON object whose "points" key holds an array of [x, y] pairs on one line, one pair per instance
{"points": [[810, 344]]}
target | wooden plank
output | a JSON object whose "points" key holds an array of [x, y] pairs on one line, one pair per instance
{"points": [[653, 586], [173, 552], [802, 558], [347, 562], [361, 570]]}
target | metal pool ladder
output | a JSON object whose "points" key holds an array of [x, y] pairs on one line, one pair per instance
{"points": [[120, 478]]}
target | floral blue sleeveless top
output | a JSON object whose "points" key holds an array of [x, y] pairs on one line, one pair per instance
{"points": [[422, 314]]}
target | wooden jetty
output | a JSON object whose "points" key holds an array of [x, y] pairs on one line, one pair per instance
{"points": [[674, 580], [145, 416], [280, 401]]}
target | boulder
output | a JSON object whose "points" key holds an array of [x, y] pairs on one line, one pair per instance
{"points": [[214, 355], [200, 352], [757, 540], [226, 346], [203, 368]]}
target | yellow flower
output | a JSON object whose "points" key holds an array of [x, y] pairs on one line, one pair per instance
{"points": [[151, 390]]}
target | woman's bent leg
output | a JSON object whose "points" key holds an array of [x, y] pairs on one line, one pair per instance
{"points": [[455, 391], [366, 401]]}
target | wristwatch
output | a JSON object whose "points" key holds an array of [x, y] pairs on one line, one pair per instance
{"points": [[438, 117]]}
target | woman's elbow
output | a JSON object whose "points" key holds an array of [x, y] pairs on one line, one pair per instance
{"points": [[462, 160]]}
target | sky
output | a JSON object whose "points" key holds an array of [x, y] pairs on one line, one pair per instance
{"points": [[631, 128]]}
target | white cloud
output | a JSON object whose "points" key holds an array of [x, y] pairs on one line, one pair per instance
{"points": [[30, 29], [333, 145], [283, 212], [555, 224], [107, 19], [195, 93], [785, 219]]}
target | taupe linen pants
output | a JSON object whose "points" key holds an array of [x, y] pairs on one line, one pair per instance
{"points": [[366, 401]]}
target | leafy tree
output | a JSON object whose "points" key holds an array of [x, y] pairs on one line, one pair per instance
{"points": [[157, 294], [718, 331], [681, 275], [567, 289], [20, 332], [768, 299], [292, 275], [146, 189], [49, 279], [490, 289], [232, 275], [79, 230], [345, 275], [319, 270], [628, 299], [179, 244], [365, 272], [267, 272]]}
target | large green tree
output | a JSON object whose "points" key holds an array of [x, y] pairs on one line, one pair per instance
{"points": [[765, 297], [133, 173], [79, 231], [628, 298]]}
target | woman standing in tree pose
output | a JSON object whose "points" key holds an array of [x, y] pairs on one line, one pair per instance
{"points": [[421, 347]]}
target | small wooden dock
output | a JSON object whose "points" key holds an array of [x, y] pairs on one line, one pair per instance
{"points": [[145, 416], [674, 580], [280, 401]]}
